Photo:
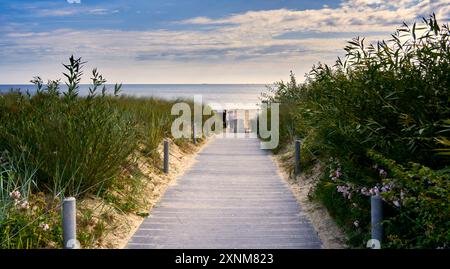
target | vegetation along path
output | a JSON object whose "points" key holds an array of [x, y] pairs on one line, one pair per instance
{"points": [[232, 197]]}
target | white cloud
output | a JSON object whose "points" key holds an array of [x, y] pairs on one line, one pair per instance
{"points": [[102, 11], [73, 11], [248, 47], [55, 12], [351, 15], [74, 1]]}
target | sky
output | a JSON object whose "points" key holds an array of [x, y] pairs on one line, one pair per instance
{"points": [[192, 41]]}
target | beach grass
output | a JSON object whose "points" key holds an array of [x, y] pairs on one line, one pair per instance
{"points": [[56, 144]]}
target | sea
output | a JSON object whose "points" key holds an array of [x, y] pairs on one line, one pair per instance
{"points": [[225, 96]]}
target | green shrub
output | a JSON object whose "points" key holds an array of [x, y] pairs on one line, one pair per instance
{"points": [[420, 197], [390, 97]]}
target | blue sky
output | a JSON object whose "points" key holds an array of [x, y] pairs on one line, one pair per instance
{"points": [[135, 14], [192, 41]]}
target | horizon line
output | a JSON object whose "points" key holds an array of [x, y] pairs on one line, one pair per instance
{"points": [[30, 84]]}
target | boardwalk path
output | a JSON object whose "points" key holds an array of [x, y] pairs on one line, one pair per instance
{"points": [[232, 197]]}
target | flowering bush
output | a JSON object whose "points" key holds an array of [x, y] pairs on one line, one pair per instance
{"points": [[417, 211], [30, 223], [420, 196], [342, 193]]}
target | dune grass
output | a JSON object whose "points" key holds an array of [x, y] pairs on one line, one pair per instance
{"points": [[55, 144]]}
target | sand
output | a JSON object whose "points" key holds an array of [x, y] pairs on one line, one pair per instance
{"points": [[331, 235]]}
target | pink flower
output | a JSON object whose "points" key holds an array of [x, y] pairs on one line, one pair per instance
{"points": [[382, 173], [345, 190], [24, 205], [374, 191], [44, 226], [15, 195], [365, 192]]}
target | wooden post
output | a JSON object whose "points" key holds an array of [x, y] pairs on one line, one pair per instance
{"points": [[166, 156], [69, 223], [194, 134], [257, 123], [224, 118], [246, 120], [376, 213], [297, 157]]}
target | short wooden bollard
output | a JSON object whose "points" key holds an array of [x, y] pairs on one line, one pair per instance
{"points": [[166, 156], [376, 213], [297, 157], [257, 124], [69, 223], [224, 119], [194, 134]]}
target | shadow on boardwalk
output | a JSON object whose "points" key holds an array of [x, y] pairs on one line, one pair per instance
{"points": [[232, 197]]}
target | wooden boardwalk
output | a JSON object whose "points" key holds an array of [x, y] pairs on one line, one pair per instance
{"points": [[232, 197]]}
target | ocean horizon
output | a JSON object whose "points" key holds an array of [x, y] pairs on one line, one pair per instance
{"points": [[217, 95]]}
